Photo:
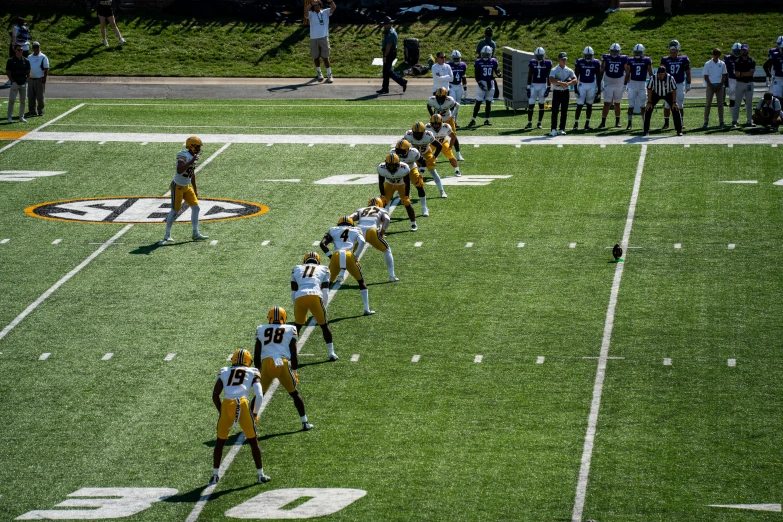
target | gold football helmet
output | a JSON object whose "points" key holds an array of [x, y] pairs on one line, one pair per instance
{"points": [[393, 161], [312, 256], [375, 202], [345, 221], [193, 144], [418, 130], [441, 93], [402, 148], [241, 358], [436, 121], [276, 315]]}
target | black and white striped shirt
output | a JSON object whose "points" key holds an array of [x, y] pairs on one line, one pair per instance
{"points": [[662, 87]]}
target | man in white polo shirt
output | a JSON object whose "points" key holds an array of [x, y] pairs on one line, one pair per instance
{"points": [[36, 85], [318, 19], [442, 74], [716, 79]]}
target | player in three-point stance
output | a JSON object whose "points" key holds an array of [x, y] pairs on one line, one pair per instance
{"points": [[310, 293], [347, 239], [276, 351], [446, 105], [373, 221], [235, 382], [181, 188]]}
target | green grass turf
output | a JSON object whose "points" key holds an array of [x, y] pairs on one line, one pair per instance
{"points": [[161, 45], [349, 118], [444, 438]]}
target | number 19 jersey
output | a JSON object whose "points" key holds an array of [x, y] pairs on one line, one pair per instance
{"points": [[276, 340], [237, 381]]}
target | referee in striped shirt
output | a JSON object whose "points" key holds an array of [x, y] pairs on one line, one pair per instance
{"points": [[662, 86]]}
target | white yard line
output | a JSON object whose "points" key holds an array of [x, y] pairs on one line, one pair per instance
{"points": [[478, 358], [66, 113], [600, 375], [207, 493], [355, 357]]}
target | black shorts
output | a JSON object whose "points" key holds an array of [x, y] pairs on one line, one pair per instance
{"points": [[105, 10]]}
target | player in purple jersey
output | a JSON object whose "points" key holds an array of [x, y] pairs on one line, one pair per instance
{"points": [[637, 69], [679, 66], [485, 68], [773, 68], [731, 62], [458, 88], [537, 85], [587, 71], [613, 73]]}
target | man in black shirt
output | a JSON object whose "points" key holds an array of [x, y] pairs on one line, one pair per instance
{"points": [[744, 69], [17, 68]]}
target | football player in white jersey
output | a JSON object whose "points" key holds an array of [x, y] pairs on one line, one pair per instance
{"points": [[373, 220], [347, 238], [276, 351], [181, 188], [443, 104], [235, 382], [310, 293], [395, 176], [411, 157], [442, 132], [423, 140]]}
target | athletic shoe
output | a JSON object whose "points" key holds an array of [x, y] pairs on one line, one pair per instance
{"points": [[319, 77], [382, 91], [722, 125], [628, 127], [425, 212], [459, 157], [404, 87], [618, 125], [679, 133], [562, 132], [165, 241], [369, 312], [329, 79], [553, 133], [472, 123], [665, 125], [333, 357], [749, 125], [443, 194], [122, 40], [576, 126], [214, 480], [306, 426], [198, 236], [106, 43], [22, 120], [8, 83], [414, 227], [646, 134], [539, 126], [394, 279], [588, 127], [457, 174], [734, 125], [602, 125], [487, 122], [263, 479], [705, 126], [608, 11], [529, 125]]}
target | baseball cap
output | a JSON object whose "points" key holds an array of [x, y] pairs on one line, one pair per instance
{"points": [[745, 47], [36, 44], [562, 55]]}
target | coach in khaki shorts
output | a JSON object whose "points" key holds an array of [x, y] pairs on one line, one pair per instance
{"points": [[318, 19]]}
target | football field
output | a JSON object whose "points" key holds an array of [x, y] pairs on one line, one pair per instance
{"points": [[515, 372]]}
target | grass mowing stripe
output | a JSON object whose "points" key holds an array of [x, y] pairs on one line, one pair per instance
{"points": [[62, 281], [207, 493], [43, 126], [600, 375]]}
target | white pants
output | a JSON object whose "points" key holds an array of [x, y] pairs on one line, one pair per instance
{"points": [[744, 90], [732, 92], [777, 87], [637, 96], [613, 93], [482, 95], [537, 93], [680, 96], [586, 93], [456, 91], [21, 91]]}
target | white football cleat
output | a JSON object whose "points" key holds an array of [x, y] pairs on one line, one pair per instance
{"points": [[562, 132], [459, 157], [263, 479], [425, 212], [122, 40], [414, 227], [333, 357], [394, 279], [214, 480], [319, 77], [369, 312], [198, 236], [443, 194], [553, 133], [165, 241], [106, 43], [457, 173], [306, 426]]}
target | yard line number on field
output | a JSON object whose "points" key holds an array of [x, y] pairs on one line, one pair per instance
{"points": [[600, 375]]}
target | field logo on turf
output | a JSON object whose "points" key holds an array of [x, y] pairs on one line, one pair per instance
{"points": [[140, 210]]}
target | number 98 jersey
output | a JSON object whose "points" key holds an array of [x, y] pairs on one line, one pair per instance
{"points": [[276, 340], [237, 380]]}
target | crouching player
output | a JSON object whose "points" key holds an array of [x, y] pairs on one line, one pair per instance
{"points": [[394, 177], [442, 132], [235, 382], [429, 148], [346, 238], [310, 293], [411, 157], [373, 221]]}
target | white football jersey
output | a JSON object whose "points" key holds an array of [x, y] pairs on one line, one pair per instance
{"points": [[442, 134], [445, 109], [372, 217], [276, 340], [345, 238], [394, 178], [237, 380], [184, 178], [423, 144], [309, 278], [410, 158]]}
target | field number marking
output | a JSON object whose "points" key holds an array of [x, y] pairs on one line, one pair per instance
{"points": [[169, 357], [44, 356], [753, 507], [320, 503], [130, 502], [107, 356]]}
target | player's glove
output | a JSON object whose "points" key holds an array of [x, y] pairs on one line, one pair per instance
{"points": [[385, 200], [769, 80], [687, 87], [548, 90], [625, 88], [464, 98], [576, 90], [421, 162], [528, 93], [597, 96]]}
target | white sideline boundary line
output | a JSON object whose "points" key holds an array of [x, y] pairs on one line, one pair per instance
{"points": [[600, 375], [66, 113], [27, 311], [207, 492]]}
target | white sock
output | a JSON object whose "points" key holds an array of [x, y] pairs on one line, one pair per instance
{"points": [[318, 70], [170, 221], [304, 418], [328, 71], [215, 471], [456, 171], [330, 347], [423, 201], [389, 262], [365, 299], [260, 472], [436, 179], [194, 218]]}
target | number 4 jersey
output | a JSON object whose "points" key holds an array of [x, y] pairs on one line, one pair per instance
{"points": [[276, 341], [237, 381]]}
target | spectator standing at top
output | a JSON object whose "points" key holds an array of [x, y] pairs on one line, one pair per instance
{"points": [[20, 35], [715, 77], [744, 69], [561, 79], [106, 13], [318, 20], [488, 41], [442, 75], [17, 68], [36, 86], [389, 49]]}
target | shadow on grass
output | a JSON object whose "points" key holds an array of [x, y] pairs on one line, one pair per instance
{"points": [[332, 321], [194, 495], [281, 434], [325, 361], [229, 442]]}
